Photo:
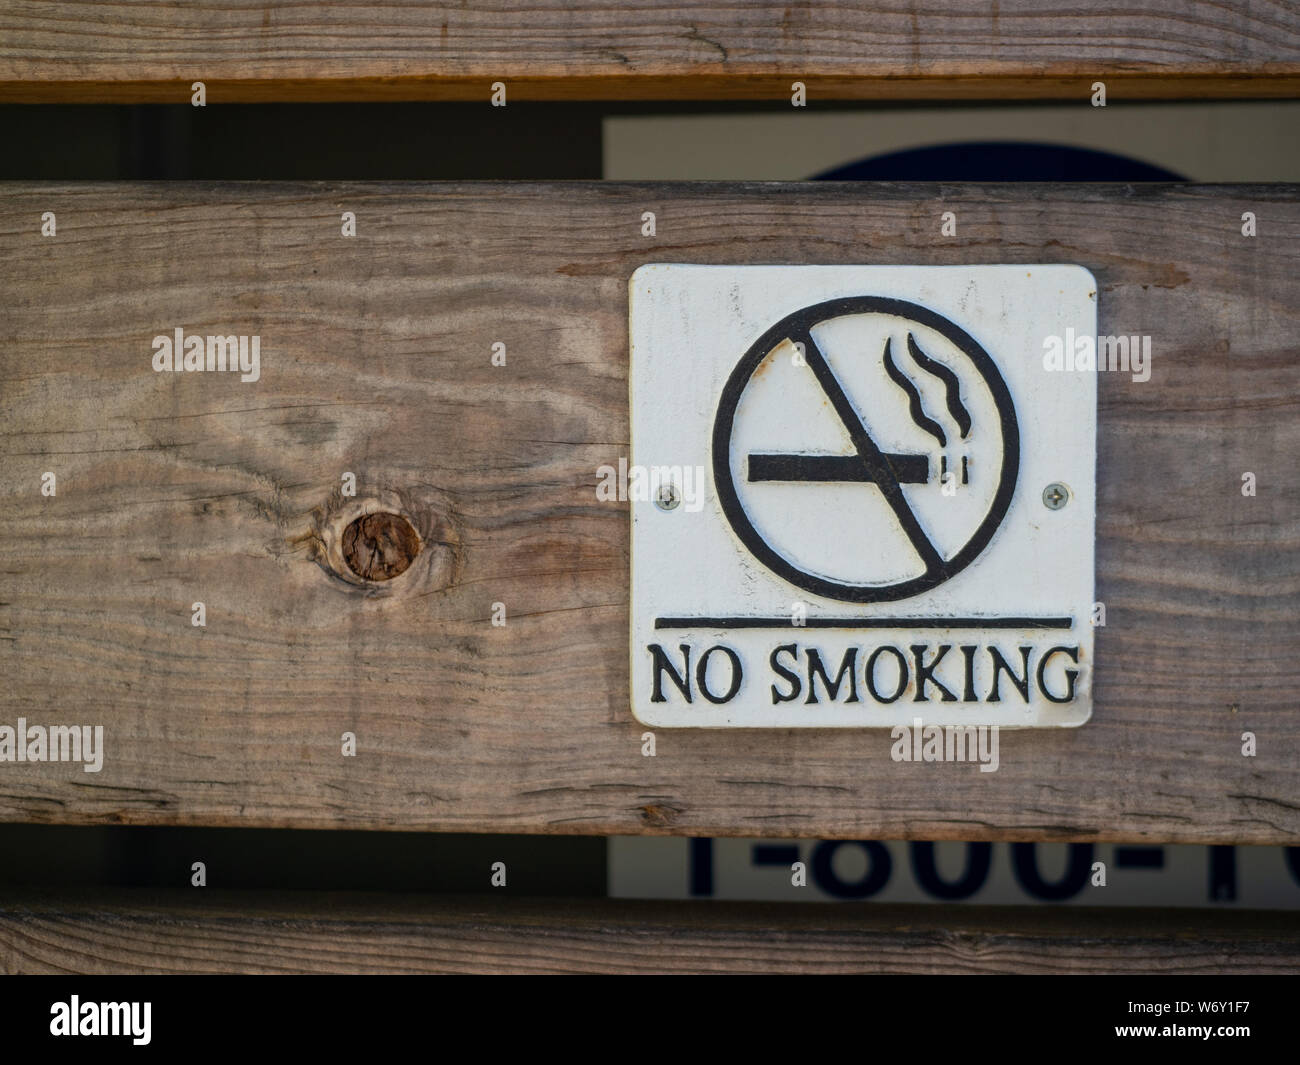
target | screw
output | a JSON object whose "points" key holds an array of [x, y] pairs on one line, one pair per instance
{"points": [[668, 497], [1055, 496]]}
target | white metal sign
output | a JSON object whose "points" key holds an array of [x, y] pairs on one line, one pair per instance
{"points": [[862, 495]]}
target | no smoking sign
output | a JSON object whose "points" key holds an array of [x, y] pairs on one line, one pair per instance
{"points": [[893, 496]]}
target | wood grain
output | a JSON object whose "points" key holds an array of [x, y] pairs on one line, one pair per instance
{"points": [[152, 51], [376, 360], [213, 932]]}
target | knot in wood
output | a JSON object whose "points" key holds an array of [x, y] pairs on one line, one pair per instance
{"points": [[380, 546]]}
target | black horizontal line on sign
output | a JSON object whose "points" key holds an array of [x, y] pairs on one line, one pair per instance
{"points": [[864, 623], [908, 469], [1140, 857]]}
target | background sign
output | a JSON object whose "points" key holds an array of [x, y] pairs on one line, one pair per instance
{"points": [[998, 874]]}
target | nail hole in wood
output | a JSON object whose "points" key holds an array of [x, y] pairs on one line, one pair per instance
{"points": [[380, 546]]}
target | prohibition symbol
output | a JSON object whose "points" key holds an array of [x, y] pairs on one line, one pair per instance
{"points": [[955, 367]]}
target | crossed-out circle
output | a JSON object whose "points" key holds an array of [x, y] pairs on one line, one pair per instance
{"points": [[796, 327]]}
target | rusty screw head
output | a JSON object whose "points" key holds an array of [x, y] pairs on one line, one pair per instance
{"points": [[1055, 496], [669, 498], [380, 546]]}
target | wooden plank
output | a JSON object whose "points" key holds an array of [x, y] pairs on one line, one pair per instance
{"points": [[81, 51], [214, 932], [376, 360]]}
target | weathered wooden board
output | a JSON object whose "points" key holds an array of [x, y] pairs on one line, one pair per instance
{"points": [[124, 931], [78, 50], [376, 360]]}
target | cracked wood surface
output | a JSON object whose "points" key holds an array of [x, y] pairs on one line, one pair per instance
{"points": [[152, 51], [376, 360], [134, 931]]}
